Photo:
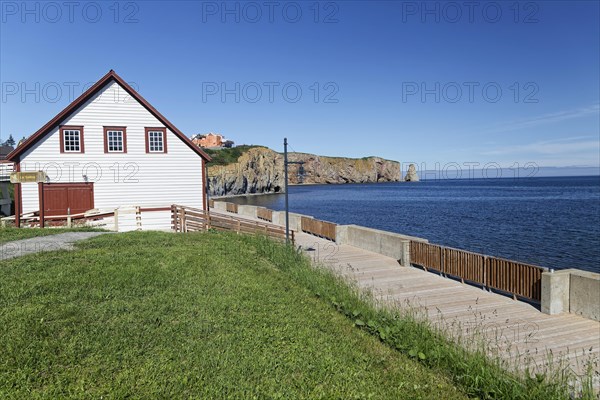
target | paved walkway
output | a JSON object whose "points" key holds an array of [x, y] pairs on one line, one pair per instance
{"points": [[514, 330], [60, 241]]}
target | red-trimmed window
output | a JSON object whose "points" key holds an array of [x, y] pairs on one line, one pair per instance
{"points": [[115, 139], [156, 140], [71, 139]]}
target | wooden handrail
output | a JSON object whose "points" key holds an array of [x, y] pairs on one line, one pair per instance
{"points": [[264, 214], [324, 229], [189, 219], [513, 277]]}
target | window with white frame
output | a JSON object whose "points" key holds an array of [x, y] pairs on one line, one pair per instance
{"points": [[71, 140], [156, 142], [114, 141]]}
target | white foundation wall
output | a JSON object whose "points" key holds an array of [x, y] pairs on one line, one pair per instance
{"points": [[134, 178]]}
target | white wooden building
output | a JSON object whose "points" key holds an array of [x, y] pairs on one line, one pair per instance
{"points": [[109, 149]]}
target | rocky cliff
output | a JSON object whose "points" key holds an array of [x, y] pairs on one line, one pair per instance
{"points": [[260, 170]]}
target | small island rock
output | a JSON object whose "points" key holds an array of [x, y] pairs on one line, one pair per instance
{"points": [[411, 174]]}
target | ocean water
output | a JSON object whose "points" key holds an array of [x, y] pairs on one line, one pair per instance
{"points": [[551, 222]]}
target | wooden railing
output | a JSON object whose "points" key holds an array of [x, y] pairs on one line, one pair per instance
{"points": [[520, 279], [315, 227], [187, 219], [264, 214], [464, 265], [231, 207], [429, 256], [33, 219], [516, 278]]}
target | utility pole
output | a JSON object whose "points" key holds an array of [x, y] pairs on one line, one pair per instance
{"points": [[285, 171], [287, 207]]}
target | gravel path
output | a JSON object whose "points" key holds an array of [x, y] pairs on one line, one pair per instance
{"points": [[61, 241]]}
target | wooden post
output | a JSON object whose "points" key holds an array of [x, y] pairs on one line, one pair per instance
{"points": [[485, 283], [18, 205], [138, 218], [116, 220], [41, 201], [182, 220], [239, 227], [18, 199], [68, 217], [174, 217]]}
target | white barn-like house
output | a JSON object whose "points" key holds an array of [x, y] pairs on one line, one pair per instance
{"points": [[108, 149]]}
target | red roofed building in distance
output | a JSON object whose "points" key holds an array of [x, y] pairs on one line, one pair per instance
{"points": [[211, 140]]}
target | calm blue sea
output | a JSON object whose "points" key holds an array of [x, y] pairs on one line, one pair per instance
{"points": [[551, 222]]}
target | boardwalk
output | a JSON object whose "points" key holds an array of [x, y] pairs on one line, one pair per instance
{"points": [[514, 330]]}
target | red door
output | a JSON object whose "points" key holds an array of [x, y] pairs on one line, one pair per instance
{"points": [[73, 197]]}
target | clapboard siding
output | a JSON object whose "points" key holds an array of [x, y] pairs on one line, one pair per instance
{"points": [[159, 179]]}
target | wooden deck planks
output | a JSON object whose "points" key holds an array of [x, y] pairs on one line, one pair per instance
{"points": [[519, 327]]}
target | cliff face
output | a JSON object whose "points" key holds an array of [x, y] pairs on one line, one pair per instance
{"points": [[320, 169], [260, 170]]}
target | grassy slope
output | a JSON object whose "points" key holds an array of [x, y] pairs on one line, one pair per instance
{"points": [[9, 234], [152, 315]]}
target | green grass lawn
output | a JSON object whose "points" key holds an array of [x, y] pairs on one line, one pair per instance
{"points": [[158, 315], [9, 234]]}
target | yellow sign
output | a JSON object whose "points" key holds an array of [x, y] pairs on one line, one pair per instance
{"points": [[27, 177]]}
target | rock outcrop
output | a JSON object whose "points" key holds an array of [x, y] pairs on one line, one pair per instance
{"points": [[411, 174], [260, 170]]}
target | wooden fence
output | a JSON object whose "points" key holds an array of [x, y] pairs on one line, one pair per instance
{"points": [[264, 214], [35, 220], [516, 278], [187, 219], [315, 227]]}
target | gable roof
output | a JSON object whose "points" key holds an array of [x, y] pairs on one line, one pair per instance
{"points": [[71, 108]]}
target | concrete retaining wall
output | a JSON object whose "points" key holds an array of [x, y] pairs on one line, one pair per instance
{"points": [[220, 206], [386, 243], [584, 294], [571, 291], [247, 211], [295, 220]]}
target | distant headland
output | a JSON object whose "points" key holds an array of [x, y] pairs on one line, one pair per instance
{"points": [[258, 169]]}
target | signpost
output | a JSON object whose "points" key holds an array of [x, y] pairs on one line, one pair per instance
{"points": [[18, 178], [28, 177]]}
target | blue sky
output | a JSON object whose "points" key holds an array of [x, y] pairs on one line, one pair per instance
{"points": [[426, 82]]}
